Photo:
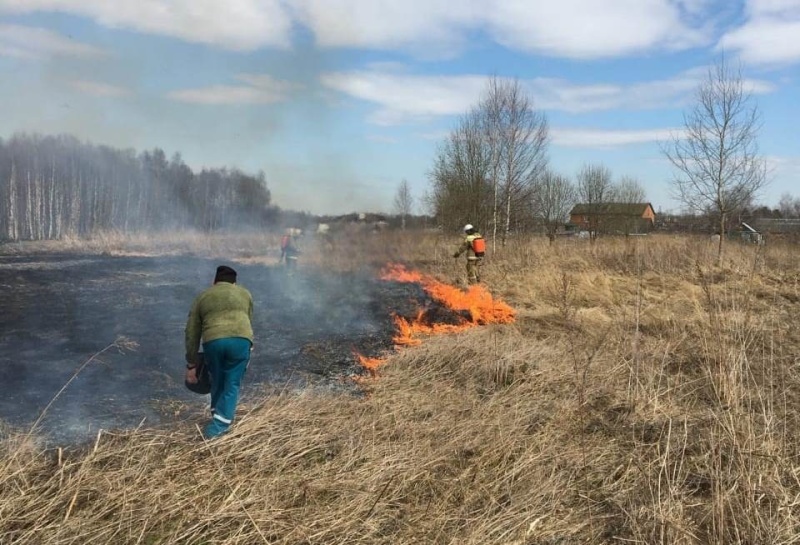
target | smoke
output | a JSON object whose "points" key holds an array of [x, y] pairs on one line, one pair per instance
{"points": [[337, 189], [147, 97], [61, 310]]}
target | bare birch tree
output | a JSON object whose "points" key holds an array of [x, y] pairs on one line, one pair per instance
{"points": [[403, 202], [491, 108], [629, 191], [553, 197], [789, 206], [518, 136], [485, 170], [717, 157], [595, 190], [461, 190]]}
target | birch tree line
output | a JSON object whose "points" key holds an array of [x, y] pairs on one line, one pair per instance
{"points": [[54, 186]]}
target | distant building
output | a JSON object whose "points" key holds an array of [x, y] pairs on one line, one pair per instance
{"points": [[777, 225], [750, 234], [614, 217]]}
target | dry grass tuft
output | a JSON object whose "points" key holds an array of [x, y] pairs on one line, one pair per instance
{"points": [[644, 395]]}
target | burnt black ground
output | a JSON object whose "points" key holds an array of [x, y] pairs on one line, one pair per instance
{"points": [[56, 311]]}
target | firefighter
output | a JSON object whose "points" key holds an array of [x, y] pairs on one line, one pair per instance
{"points": [[221, 316], [475, 247], [289, 250]]}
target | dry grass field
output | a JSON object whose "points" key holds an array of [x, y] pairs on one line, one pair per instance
{"points": [[644, 394]]}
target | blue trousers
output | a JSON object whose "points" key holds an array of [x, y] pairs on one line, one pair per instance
{"points": [[227, 361]]}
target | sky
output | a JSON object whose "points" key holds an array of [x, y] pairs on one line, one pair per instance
{"points": [[338, 101]]}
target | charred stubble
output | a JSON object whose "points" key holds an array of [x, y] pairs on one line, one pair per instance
{"points": [[59, 309]]}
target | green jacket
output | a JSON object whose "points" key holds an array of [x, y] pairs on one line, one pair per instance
{"points": [[223, 310], [466, 246]]}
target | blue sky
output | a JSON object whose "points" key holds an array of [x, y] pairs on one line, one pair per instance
{"points": [[337, 101]]}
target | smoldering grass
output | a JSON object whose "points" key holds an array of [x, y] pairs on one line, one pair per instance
{"points": [[680, 425]]}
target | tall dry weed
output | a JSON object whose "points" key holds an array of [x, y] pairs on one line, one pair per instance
{"points": [[646, 394]]}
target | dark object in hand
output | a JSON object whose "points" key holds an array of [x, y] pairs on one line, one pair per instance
{"points": [[203, 384]]}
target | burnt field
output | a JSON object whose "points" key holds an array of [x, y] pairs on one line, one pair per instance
{"points": [[638, 391], [57, 311]]}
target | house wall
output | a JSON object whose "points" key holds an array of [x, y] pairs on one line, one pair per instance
{"points": [[583, 220], [578, 219]]}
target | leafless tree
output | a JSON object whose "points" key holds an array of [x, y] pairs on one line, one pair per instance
{"points": [[403, 202], [52, 186], [491, 108], [716, 157], [789, 206], [506, 139], [461, 190], [518, 136], [595, 190], [629, 191], [553, 197], [625, 193]]}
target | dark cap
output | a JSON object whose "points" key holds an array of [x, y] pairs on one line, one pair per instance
{"points": [[225, 274]]}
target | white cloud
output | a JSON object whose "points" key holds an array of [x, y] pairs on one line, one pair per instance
{"points": [[770, 34], [770, 7], [389, 24], [600, 138], [99, 89], [407, 97], [233, 24], [587, 29], [403, 98], [258, 89], [28, 42], [784, 165], [583, 29]]}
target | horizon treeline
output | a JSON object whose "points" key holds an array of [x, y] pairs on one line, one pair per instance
{"points": [[54, 186]]}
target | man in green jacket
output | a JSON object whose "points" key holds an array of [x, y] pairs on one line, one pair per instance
{"points": [[221, 316], [475, 248]]}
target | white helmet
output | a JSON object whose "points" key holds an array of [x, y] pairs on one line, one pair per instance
{"points": [[468, 227]]}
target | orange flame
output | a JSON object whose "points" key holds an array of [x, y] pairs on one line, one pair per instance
{"points": [[370, 364], [476, 302]]}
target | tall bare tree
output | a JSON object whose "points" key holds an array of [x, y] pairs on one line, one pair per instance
{"points": [[629, 191], [789, 206], [626, 193], [403, 202], [491, 108], [487, 166], [716, 158], [461, 190], [518, 136], [595, 190], [553, 197]]}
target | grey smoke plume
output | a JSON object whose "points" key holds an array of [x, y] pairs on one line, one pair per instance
{"points": [[59, 310]]}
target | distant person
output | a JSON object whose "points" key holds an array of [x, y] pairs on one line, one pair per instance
{"points": [[289, 250], [475, 247], [221, 316], [325, 236]]}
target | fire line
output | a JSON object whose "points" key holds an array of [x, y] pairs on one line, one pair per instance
{"points": [[476, 306]]}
